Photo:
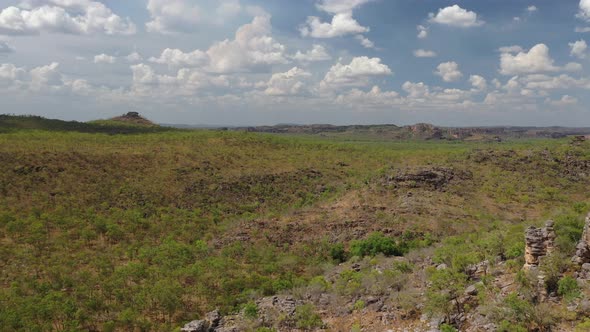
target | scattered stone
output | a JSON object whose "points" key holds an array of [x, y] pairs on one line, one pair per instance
{"points": [[442, 266], [471, 290]]}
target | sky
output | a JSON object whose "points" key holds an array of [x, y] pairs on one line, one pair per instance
{"points": [[264, 62]]}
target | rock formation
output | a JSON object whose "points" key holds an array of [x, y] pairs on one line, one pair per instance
{"points": [[539, 243], [583, 249]]}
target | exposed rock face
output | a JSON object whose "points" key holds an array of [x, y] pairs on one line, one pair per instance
{"points": [[583, 249], [539, 243]]}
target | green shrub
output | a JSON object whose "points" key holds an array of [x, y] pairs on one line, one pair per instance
{"points": [[338, 253], [376, 243], [251, 310], [568, 288], [447, 328], [306, 318]]}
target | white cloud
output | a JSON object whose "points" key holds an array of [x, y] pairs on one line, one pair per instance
{"points": [[252, 47], [578, 49], [584, 12], [532, 8], [342, 24], [582, 29], [370, 99], [288, 83], [45, 76], [172, 15], [449, 71], [10, 73], [422, 31], [366, 42], [75, 17], [339, 6], [510, 49], [478, 82], [104, 58], [177, 58], [357, 73], [134, 57], [545, 82], [456, 16], [317, 53], [536, 60], [424, 53], [565, 100]]}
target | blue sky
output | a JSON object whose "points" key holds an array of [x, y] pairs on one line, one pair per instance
{"points": [[253, 62]]}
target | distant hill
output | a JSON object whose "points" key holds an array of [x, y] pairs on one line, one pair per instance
{"points": [[421, 131], [120, 125], [133, 118]]}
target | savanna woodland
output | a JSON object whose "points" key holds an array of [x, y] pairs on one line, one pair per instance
{"points": [[123, 226]]}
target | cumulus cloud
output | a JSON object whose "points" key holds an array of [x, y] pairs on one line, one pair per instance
{"points": [[10, 73], [532, 8], [184, 83], [578, 49], [342, 22], [422, 31], [456, 16], [536, 60], [45, 76], [287, 83], [420, 53], [478, 82], [60, 16], [565, 100], [252, 47], [584, 11], [178, 58], [317, 53], [372, 98], [449, 71], [104, 58], [134, 57], [356, 73], [172, 15]]}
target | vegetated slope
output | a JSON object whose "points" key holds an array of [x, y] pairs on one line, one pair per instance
{"points": [[119, 125], [150, 231]]}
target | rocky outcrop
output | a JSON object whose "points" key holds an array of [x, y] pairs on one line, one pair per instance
{"points": [[428, 177], [582, 255], [209, 324], [275, 311], [539, 242]]}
